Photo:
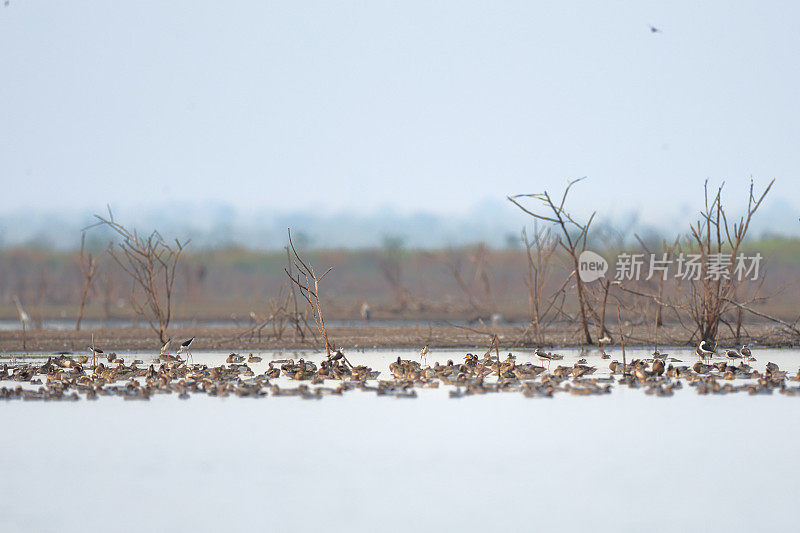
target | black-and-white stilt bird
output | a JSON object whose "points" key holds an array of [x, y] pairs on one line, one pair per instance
{"points": [[705, 350], [184, 348], [543, 356], [95, 352]]}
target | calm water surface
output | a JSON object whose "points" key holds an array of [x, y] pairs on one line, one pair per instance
{"points": [[620, 462]]}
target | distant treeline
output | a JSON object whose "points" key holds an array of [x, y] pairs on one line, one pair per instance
{"points": [[396, 281], [495, 223]]}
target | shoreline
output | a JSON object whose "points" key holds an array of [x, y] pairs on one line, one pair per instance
{"points": [[370, 337]]}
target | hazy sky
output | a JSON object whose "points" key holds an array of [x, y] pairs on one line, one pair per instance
{"points": [[415, 105]]}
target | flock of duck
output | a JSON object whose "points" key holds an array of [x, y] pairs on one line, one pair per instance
{"points": [[67, 376]]}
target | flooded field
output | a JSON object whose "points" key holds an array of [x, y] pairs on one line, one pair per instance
{"points": [[622, 460]]}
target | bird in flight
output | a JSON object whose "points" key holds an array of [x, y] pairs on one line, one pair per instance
{"points": [[653, 29]]}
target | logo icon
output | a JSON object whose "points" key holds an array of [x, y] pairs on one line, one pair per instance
{"points": [[591, 266]]}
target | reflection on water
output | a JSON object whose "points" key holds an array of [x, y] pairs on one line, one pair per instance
{"points": [[622, 461]]}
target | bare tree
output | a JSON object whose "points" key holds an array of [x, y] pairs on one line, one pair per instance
{"points": [[88, 270], [712, 295], [602, 329], [280, 315], [296, 318], [538, 251], [572, 240], [714, 288], [151, 263], [307, 281]]}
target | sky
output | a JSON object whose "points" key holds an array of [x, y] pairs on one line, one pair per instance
{"points": [[411, 106]]}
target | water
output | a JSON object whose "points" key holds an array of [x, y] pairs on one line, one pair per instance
{"points": [[619, 462]]}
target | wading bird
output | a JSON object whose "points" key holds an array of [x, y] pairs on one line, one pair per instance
{"points": [[705, 350], [746, 351], [543, 356], [95, 352], [732, 354], [184, 348], [424, 354], [165, 348]]}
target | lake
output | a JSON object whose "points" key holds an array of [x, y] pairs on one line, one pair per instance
{"points": [[624, 461]]}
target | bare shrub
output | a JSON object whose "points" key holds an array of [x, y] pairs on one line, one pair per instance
{"points": [[539, 251], [88, 271], [307, 282], [281, 315], [151, 264], [572, 240], [712, 297]]}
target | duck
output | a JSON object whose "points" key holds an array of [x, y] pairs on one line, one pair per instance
{"points": [[233, 358], [701, 368], [579, 370]]}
